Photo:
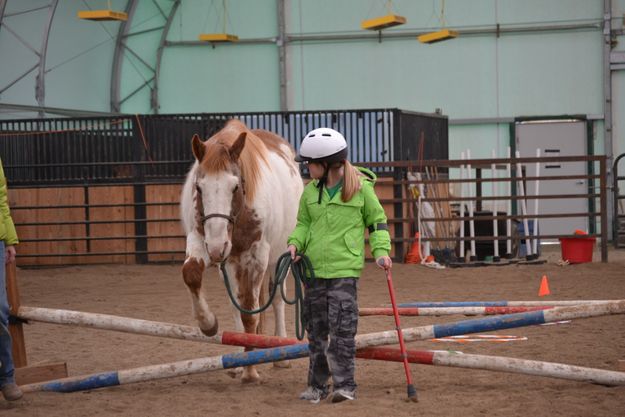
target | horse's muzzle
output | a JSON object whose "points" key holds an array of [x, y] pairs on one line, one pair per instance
{"points": [[217, 255]]}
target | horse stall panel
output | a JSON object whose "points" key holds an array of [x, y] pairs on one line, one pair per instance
{"points": [[164, 236], [48, 231], [111, 219]]}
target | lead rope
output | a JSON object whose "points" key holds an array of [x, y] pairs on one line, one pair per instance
{"points": [[302, 272]]}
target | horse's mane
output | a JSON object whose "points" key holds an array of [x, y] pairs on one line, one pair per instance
{"points": [[254, 153]]}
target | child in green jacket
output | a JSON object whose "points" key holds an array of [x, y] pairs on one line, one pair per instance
{"points": [[335, 209]]}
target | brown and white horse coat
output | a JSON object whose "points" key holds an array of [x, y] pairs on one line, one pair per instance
{"points": [[238, 205]]}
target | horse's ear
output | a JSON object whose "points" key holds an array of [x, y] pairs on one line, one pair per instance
{"points": [[198, 147], [237, 147]]}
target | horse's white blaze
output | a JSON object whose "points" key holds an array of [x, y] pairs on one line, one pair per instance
{"points": [[216, 197]]}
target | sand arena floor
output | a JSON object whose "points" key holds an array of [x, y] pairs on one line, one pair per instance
{"points": [[156, 292]]}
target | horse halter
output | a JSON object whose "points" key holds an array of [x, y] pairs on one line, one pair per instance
{"points": [[208, 216]]}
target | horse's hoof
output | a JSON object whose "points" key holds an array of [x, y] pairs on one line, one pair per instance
{"points": [[211, 331], [282, 364], [234, 372], [250, 379]]}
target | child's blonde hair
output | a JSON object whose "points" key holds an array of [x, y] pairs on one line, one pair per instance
{"points": [[351, 181]]}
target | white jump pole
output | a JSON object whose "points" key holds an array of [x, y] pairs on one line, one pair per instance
{"points": [[501, 303], [508, 321], [528, 243], [297, 350], [509, 208], [473, 257], [536, 193], [437, 358], [447, 311], [169, 370], [496, 257]]}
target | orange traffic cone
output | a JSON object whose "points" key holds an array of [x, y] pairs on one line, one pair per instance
{"points": [[414, 254], [544, 287]]}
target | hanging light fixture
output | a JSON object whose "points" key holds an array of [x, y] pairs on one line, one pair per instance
{"points": [[219, 37], [440, 35], [103, 15], [383, 22]]}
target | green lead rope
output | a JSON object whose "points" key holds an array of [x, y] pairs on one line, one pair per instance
{"points": [[302, 272]]}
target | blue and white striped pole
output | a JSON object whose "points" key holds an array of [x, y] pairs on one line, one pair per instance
{"points": [[187, 367], [507, 321]]}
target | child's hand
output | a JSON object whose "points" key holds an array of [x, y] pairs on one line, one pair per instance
{"points": [[384, 262], [293, 250]]}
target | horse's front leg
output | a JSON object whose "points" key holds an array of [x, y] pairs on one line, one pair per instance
{"points": [[192, 271], [246, 281]]}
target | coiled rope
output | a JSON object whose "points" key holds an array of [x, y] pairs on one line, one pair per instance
{"points": [[302, 272]]}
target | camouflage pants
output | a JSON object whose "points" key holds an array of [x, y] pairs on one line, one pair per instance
{"points": [[331, 310]]}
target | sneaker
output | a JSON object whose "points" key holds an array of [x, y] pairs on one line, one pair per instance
{"points": [[342, 394], [11, 392], [314, 395]]}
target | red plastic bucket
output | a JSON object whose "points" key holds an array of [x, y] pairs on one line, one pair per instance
{"points": [[577, 250]]}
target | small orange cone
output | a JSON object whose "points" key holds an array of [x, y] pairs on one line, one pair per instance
{"points": [[544, 287], [414, 254]]}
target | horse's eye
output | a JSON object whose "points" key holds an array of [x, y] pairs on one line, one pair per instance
{"points": [[236, 188]]}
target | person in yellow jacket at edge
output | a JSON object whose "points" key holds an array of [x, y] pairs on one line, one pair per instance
{"points": [[8, 240], [335, 209]]}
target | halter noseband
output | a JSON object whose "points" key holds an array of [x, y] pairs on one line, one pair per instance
{"points": [[224, 216]]}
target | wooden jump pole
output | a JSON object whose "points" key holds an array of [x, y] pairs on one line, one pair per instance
{"points": [[298, 349], [447, 311], [146, 327], [439, 358], [502, 303], [506, 321], [169, 370]]}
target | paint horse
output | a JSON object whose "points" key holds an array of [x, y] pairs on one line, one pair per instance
{"points": [[238, 205]]}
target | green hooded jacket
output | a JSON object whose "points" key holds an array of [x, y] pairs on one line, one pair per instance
{"points": [[7, 229], [332, 233]]}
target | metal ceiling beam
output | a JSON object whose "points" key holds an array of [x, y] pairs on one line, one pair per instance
{"points": [[120, 47], [40, 91], [21, 40], [55, 110], [9, 85], [282, 55], [118, 56], [34, 9], [154, 99], [3, 4], [40, 87]]}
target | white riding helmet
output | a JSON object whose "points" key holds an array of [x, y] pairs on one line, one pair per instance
{"points": [[322, 145]]}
